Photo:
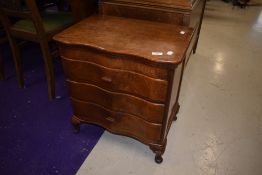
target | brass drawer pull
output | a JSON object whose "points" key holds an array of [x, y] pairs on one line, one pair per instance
{"points": [[110, 119], [107, 79]]}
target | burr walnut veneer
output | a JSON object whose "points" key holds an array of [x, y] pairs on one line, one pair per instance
{"points": [[125, 75]]}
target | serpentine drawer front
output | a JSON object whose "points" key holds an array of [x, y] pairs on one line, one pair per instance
{"points": [[116, 80], [119, 102], [125, 75]]}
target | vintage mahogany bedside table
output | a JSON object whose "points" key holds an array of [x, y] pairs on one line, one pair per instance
{"points": [[125, 75]]}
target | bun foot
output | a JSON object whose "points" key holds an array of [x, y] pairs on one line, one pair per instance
{"points": [[175, 118], [159, 150], [158, 159], [76, 125]]}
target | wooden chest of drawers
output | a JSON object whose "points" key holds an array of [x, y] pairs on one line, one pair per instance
{"points": [[125, 75]]}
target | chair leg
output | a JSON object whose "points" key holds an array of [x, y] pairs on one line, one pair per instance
{"points": [[1, 67], [49, 70], [17, 60]]}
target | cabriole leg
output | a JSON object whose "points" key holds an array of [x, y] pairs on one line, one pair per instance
{"points": [[158, 158], [159, 151]]}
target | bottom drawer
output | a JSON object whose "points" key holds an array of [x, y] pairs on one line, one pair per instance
{"points": [[117, 122]]}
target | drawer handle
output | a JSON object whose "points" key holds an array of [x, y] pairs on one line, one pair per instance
{"points": [[110, 119], [107, 79]]}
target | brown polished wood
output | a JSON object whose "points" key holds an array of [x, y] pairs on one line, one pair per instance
{"points": [[179, 12], [116, 101], [112, 61], [117, 122], [83, 8], [116, 79], [128, 39], [125, 75]]}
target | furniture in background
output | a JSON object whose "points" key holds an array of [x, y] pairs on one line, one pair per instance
{"points": [[83, 8], [180, 12], [23, 20], [125, 75], [240, 3]]}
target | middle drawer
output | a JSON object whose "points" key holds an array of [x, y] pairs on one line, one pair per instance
{"points": [[118, 102], [116, 80]]}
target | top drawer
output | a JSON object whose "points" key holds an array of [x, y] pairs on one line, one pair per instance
{"points": [[115, 80], [112, 61]]}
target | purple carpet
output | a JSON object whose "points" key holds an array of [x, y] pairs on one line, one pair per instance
{"points": [[36, 136]]}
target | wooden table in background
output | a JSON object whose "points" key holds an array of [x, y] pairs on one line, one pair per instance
{"points": [[83, 8]]}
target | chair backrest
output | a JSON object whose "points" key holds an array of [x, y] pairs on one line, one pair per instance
{"points": [[11, 4], [14, 10]]}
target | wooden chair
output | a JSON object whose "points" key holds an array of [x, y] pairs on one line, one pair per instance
{"points": [[23, 20]]}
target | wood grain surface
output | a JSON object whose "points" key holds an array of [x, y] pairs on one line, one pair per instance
{"points": [[130, 37]]}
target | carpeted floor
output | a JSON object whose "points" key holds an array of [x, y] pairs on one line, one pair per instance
{"points": [[35, 134]]}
